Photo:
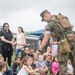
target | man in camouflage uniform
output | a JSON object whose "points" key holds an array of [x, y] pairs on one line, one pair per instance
{"points": [[47, 17]]}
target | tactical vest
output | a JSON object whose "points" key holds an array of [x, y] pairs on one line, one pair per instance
{"points": [[61, 26], [62, 30]]}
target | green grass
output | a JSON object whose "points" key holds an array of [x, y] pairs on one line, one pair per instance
{"points": [[13, 57]]}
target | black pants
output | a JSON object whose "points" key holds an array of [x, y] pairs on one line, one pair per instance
{"points": [[7, 53]]}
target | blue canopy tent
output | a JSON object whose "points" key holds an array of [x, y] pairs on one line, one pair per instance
{"points": [[38, 33]]}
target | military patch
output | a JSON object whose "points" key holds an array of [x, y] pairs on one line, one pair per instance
{"points": [[47, 28]]}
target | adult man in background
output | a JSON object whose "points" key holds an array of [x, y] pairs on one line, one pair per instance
{"points": [[49, 29]]}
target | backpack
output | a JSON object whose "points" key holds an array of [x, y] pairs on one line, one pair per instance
{"points": [[62, 24], [62, 28]]}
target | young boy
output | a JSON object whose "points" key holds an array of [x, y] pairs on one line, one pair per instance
{"points": [[47, 62], [16, 65], [2, 67]]}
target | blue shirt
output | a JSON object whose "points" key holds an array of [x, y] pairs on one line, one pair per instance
{"points": [[47, 63]]}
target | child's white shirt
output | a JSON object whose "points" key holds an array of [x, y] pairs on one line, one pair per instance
{"points": [[22, 71], [54, 49], [1, 73], [70, 68]]}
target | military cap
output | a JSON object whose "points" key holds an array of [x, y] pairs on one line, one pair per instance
{"points": [[43, 13]]}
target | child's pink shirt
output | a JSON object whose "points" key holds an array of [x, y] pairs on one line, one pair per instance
{"points": [[55, 67]]}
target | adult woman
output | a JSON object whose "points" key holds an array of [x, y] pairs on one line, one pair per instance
{"points": [[20, 41], [7, 42]]}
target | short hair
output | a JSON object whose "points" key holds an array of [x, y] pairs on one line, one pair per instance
{"points": [[25, 48], [2, 65], [17, 58], [43, 13]]}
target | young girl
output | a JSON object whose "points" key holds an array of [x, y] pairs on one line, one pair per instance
{"points": [[69, 67], [41, 64], [54, 47], [55, 66], [26, 67], [48, 52]]}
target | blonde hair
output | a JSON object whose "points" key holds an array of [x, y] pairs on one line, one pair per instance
{"points": [[40, 56]]}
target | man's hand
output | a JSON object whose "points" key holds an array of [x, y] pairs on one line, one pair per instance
{"points": [[11, 42]]}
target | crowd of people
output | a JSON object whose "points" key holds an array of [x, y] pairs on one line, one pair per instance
{"points": [[28, 63], [31, 64], [56, 54]]}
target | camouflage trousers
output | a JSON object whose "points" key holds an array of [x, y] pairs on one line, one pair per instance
{"points": [[72, 46], [62, 64], [63, 59]]}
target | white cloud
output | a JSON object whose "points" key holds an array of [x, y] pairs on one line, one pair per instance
{"points": [[26, 13], [29, 20]]}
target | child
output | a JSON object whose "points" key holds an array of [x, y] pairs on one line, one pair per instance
{"points": [[55, 66], [34, 61], [69, 67], [48, 52], [41, 64], [8, 69], [26, 52], [54, 47], [2, 67], [47, 62], [16, 65], [35, 56], [26, 66]]}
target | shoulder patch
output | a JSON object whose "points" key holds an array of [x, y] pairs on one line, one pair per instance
{"points": [[47, 27]]}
